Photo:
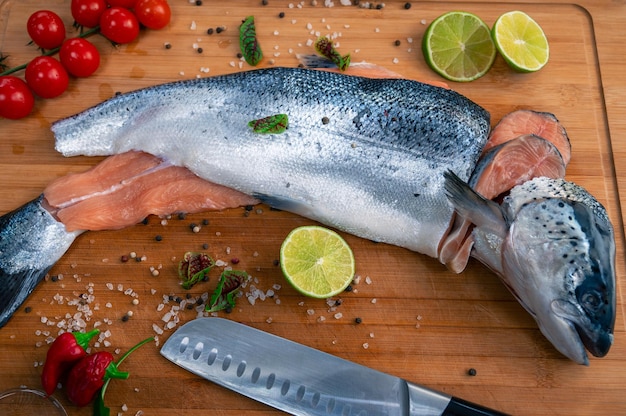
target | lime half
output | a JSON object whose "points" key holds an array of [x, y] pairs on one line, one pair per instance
{"points": [[521, 41], [458, 46], [316, 261]]}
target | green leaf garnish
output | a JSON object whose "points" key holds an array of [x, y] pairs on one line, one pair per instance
{"points": [[249, 43], [324, 47], [274, 124], [193, 268], [226, 291]]}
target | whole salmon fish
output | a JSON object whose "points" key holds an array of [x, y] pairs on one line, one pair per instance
{"points": [[373, 157]]}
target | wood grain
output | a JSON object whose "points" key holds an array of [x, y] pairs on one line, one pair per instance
{"points": [[419, 321]]}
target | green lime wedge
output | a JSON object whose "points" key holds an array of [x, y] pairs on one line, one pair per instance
{"points": [[458, 46], [316, 261], [521, 41]]}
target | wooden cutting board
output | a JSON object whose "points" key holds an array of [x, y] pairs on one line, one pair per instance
{"points": [[419, 321]]}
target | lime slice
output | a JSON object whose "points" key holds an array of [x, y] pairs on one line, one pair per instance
{"points": [[458, 46], [521, 41], [317, 261]]}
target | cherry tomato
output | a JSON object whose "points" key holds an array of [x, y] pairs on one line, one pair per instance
{"points": [[128, 4], [79, 57], [46, 29], [46, 77], [153, 14], [87, 12], [16, 100], [119, 25]]}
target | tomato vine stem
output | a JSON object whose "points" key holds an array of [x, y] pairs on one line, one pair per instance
{"points": [[46, 53]]}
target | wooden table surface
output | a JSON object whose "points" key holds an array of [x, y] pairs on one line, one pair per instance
{"points": [[419, 321]]}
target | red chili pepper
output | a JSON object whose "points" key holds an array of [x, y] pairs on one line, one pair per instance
{"points": [[88, 376], [66, 349]]}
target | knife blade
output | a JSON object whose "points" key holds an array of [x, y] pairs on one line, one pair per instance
{"points": [[298, 379]]}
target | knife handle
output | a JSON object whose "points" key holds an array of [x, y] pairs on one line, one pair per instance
{"points": [[460, 407]]}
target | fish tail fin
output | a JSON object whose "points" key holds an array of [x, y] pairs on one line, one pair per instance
{"points": [[15, 288], [31, 242]]}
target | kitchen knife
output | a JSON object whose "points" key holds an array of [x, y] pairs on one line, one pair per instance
{"points": [[298, 379]]}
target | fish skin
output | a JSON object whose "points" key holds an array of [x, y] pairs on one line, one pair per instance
{"points": [[374, 169], [553, 246], [31, 242]]}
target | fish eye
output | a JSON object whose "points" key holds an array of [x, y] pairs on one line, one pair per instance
{"points": [[591, 300]]}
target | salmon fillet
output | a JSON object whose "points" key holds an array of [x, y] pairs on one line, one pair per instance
{"points": [[126, 188]]}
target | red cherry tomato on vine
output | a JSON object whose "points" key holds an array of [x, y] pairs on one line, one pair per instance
{"points": [[80, 57], [128, 4], [119, 25], [16, 100], [46, 29], [46, 77], [87, 12], [153, 14]]}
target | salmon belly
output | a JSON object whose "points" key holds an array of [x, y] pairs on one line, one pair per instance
{"points": [[124, 189]]}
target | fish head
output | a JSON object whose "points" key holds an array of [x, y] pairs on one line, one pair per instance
{"points": [[558, 259]]}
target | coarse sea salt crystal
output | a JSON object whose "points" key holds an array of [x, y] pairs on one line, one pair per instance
{"points": [[193, 26]]}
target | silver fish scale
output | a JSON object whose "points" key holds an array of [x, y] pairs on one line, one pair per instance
{"points": [[363, 155]]}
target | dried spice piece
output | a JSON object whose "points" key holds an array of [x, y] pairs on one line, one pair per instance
{"points": [[324, 47], [226, 291], [249, 43], [273, 124], [193, 268]]}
